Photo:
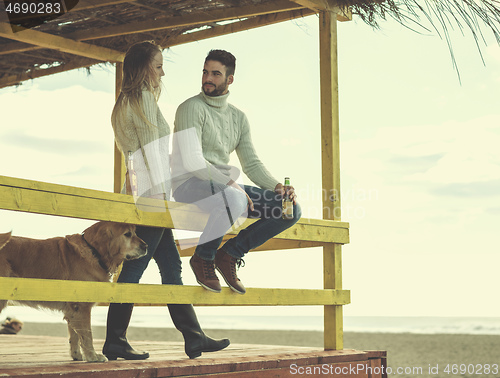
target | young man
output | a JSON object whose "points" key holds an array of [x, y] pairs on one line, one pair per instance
{"points": [[207, 130]]}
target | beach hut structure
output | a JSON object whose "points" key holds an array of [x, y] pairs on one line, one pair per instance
{"points": [[98, 31]]}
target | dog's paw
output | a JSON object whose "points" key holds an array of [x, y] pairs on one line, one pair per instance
{"points": [[96, 358], [76, 355]]}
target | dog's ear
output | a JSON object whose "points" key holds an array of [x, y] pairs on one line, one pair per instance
{"points": [[76, 242], [99, 235], [4, 239]]}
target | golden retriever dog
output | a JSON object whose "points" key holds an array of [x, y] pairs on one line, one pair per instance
{"points": [[93, 255]]}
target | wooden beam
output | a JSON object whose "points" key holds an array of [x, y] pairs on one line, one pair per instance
{"points": [[19, 289], [333, 335], [316, 5], [16, 79], [16, 47], [67, 201], [119, 169], [188, 20], [90, 4], [187, 246], [9, 48], [55, 42], [81, 5], [164, 10], [330, 153], [343, 14], [251, 23], [332, 253], [119, 161]]}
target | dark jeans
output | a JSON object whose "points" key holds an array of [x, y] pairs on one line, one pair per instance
{"points": [[225, 204], [162, 248]]}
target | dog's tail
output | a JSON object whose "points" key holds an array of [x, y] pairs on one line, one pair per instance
{"points": [[4, 239]]}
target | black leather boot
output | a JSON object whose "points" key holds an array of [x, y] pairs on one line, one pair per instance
{"points": [[195, 340], [116, 344]]}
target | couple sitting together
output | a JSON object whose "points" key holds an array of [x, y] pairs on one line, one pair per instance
{"points": [[207, 130]]}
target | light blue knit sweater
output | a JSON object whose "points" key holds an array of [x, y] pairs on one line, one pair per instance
{"points": [[149, 145], [207, 130]]}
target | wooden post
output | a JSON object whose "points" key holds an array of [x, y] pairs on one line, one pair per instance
{"points": [[119, 165], [332, 254], [119, 175]]}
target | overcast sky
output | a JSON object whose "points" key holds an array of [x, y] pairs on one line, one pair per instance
{"points": [[419, 155]]}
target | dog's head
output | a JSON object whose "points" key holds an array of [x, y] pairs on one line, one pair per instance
{"points": [[115, 242]]}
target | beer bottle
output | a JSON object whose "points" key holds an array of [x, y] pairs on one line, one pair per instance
{"points": [[131, 179], [287, 204]]}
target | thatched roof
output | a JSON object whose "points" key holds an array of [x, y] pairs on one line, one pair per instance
{"points": [[97, 31]]}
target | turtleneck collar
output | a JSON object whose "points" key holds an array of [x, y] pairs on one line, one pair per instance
{"points": [[216, 102]]}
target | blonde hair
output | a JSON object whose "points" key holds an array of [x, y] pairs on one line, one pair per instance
{"points": [[138, 75]]}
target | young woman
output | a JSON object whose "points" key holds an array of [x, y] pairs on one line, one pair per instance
{"points": [[141, 130]]}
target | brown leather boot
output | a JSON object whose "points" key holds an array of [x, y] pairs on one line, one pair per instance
{"points": [[226, 265], [205, 273]]}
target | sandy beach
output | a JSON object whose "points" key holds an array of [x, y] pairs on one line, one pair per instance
{"points": [[410, 351]]}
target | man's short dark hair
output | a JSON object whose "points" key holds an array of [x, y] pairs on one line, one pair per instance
{"points": [[224, 57]]}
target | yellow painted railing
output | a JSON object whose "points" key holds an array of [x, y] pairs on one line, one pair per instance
{"points": [[52, 199], [19, 289]]}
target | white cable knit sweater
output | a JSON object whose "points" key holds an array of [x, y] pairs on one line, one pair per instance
{"points": [[149, 145], [207, 130]]}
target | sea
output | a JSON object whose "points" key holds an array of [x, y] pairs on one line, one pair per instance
{"points": [[158, 317]]}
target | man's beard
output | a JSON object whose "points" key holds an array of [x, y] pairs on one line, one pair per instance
{"points": [[218, 91]]}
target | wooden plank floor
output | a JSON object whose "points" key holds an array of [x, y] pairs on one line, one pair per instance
{"points": [[44, 357]]}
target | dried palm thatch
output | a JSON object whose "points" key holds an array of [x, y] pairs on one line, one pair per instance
{"points": [[443, 16], [110, 26]]}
